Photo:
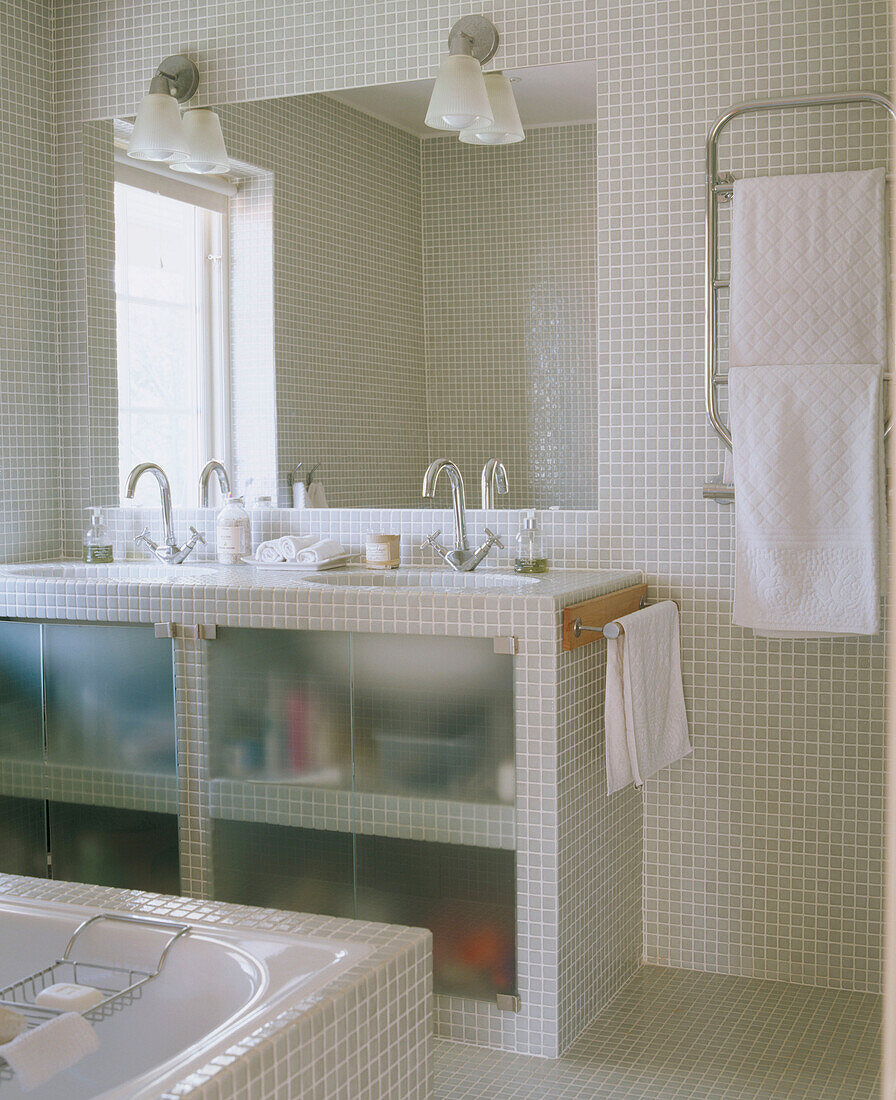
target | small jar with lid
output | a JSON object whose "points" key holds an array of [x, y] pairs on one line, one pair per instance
{"points": [[382, 551]]}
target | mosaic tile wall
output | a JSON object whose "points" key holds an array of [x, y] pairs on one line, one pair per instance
{"points": [[763, 850], [29, 451], [510, 276]]}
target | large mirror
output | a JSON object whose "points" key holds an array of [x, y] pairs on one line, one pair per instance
{"points": [[359, 294]]}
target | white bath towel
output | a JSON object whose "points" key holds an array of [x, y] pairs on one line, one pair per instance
{"points": [[291, 545], [645, 718], [38, 1055], [808, 349], [323, 550], [808, 272], [808, 471]]}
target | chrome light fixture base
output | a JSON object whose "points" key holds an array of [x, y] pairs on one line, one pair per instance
{"points": [[474, 35], [181, 77]]}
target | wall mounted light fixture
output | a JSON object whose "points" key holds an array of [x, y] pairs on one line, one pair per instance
{"points": [[459, 98], [505, 127], [205, 142], [193, 143]]}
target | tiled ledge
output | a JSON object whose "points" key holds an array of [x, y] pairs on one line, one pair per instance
{"points": [[473, 824]]}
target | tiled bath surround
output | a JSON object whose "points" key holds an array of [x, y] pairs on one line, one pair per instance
{"points": [[314, 1048], [763, 849]]}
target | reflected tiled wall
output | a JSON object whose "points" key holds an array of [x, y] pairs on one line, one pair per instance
{"points": [[510, 275]]}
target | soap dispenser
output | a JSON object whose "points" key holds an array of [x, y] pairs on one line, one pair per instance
{"points": [[97, 543], [531, 556]]}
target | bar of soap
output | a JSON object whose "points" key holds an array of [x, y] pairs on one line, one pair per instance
{"points": [[12, 1023], [68, 997]]}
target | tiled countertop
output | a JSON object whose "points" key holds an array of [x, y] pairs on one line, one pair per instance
{"points": [[252, 596]]}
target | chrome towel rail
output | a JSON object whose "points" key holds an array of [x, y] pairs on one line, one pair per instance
{"points": [[719, 188]]}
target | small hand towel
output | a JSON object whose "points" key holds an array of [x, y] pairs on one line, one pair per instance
{"points": [[808, 467], [809, 270], [645, 718], [291, 545], [322, 551], [317, 497], [38, 1055], [269, 552]]}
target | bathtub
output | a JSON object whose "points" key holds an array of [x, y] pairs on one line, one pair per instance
{"points": [[217, 985]]}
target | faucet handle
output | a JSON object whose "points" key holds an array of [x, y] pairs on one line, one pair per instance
{"points": [[430, 540], [145, 536], [493, 539], [196, 537]]}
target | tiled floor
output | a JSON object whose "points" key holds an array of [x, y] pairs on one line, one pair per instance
{"points": [[692, 1036]]}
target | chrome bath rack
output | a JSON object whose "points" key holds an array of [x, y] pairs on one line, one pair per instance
{"points": [[120, 985], [720, 189]]}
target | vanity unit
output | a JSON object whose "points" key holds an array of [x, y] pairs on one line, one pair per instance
{"points": [[412, 747]]}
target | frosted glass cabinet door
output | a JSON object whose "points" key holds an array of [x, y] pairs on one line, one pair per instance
{"points": [[110, 698], [21, 692], [23, 839], [433, 718], [280, 709]]}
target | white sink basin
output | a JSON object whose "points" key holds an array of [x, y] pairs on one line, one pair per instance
{"points": [[419, 578]]}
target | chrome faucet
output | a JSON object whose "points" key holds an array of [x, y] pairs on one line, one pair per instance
{"points": [[214, 466], [170, 553], [462, 559], [494, 480]]}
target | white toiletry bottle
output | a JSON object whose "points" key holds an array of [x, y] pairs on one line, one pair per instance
{"points": [[97, 548], [531, 557], [233, 539]]}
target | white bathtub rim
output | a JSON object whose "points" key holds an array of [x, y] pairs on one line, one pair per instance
{"points": [[257, 1019]]}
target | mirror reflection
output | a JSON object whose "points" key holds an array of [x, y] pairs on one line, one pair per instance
{"points": [[357, 296]]}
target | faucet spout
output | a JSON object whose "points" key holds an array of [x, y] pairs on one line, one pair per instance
{"points": [[494, 479], [455, 478], [164, 491], [217, 467]]}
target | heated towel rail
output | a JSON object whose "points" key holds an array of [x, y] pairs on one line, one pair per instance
{"points": [[719, 188]]}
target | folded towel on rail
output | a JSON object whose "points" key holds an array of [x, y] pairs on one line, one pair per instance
{"points": [[644, 713], [808, 351], [809, 270], [322, 551], [808, 471], [38, 1055]]}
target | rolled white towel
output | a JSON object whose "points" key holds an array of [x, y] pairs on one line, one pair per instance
{"points": [[37, 1055], [292, 545], [269, 552], [12, 1023], [322, 551]]}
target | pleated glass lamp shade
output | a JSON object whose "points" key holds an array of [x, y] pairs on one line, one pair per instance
{"points": [[158, 131], [505, 127], [459, 98], [206, 143]]}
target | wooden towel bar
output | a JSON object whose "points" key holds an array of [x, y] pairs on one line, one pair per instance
{"points": [[593, 615]]}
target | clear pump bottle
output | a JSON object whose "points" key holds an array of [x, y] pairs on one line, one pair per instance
{"points": [[97, 543], [531, 556]]}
